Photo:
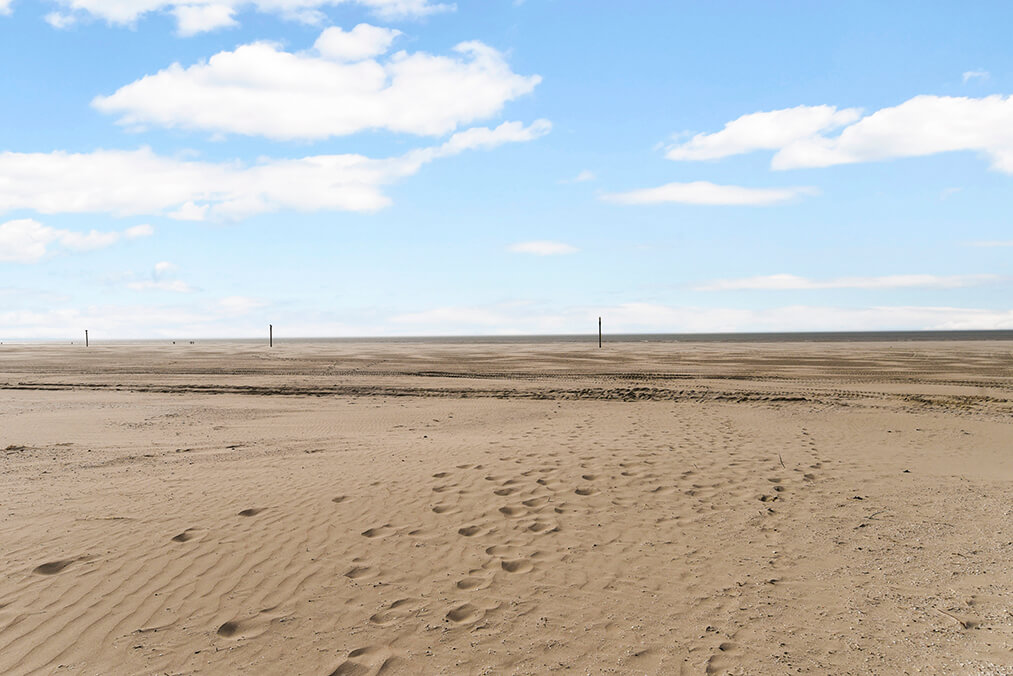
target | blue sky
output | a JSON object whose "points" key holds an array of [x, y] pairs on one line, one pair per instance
{"points": [[201, 168]]}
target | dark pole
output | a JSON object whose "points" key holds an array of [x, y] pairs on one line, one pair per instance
{"points": [[270, 335], [599, 333], [86, 337]]}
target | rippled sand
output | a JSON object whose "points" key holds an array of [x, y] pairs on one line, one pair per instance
{"points": [[421, 508]]}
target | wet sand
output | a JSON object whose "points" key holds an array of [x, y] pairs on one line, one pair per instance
{"points": [[416, 508]]}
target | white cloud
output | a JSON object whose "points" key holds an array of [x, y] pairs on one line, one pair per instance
{"points": [[141, 182], [59, 20], [174, 285], [239, 305], [88, 241], [27, 240], [194, 19], [190, 212], [261, 90], [794, 282], [923, 125], [136, 231], [161, 280], [24, 241], [768, 130], [542, 248], [706, 193], [582, 177], [634, 317], [453, 316], [362, 42], [242, 316], [975, 75], [138, 321], [195, 16], [5, 7], [640, 317]]}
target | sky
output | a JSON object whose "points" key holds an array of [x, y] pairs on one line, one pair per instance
{"points": [[174, 169]]}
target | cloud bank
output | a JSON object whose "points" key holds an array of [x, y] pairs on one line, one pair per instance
{"points": [[28, 241], [336, 89], [542, 248], [128, 182], [784, 282], [706, 193], [198, 16], [640, 317], [920, 126]]}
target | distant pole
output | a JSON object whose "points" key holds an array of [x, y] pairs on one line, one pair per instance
{"points": [[270, 335], [599, 333], [86, 337]]}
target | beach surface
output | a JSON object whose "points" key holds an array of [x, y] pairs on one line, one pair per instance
{"points": [[386, 508]]}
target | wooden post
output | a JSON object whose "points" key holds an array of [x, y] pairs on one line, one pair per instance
{"points": [[270, 335], [86, 337], [599, 333]]}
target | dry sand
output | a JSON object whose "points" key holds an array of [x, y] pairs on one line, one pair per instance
{"points": [[375, 508]]}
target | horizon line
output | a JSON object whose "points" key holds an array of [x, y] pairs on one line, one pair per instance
{"points": [[774, 336]]}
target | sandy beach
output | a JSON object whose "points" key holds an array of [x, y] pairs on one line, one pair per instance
{"points": [[495, 508]]}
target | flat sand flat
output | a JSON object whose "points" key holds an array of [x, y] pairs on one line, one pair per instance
{"points": [[423, 508]]}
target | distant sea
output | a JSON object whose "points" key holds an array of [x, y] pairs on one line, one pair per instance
{"points": [[790, 337]]}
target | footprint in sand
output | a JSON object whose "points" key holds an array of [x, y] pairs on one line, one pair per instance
{"points": [[540, 526], [250, 627], [187, 535], [339, 499], [253, 511], [719, 662], [444, 509], [398, 610], [360, 572], [369, 660], [475, 580], [501, 550], [587, 491], [465, 614], [470, 531], [517, 566], [513, 512], [379, 532], [53, 567]]}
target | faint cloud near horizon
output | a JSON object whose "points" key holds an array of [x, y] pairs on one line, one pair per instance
{"points": [[542, 248], [583, 177], [27, 240], [975, 75], [705, 193], [786, 282], [991, 243], [162, 280]]}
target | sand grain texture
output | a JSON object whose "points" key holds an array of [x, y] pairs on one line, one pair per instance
{"points": [[385, 508]]}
